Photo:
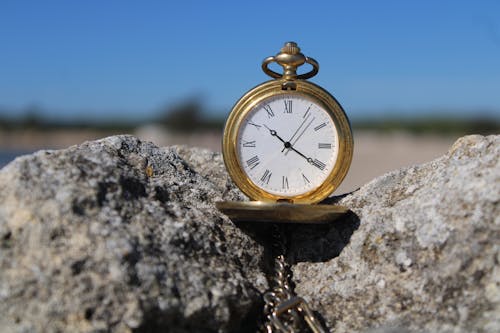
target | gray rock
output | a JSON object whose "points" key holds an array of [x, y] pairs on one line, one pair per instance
{"points": [[120, 235], [425, 255]]}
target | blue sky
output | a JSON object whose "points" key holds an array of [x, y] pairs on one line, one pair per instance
{"points": [[128, 59]]}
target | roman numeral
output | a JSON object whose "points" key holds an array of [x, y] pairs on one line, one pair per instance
{"points": [[307, 111], [320, 126], [324, 145], [288, 105], [253, 162], [284, 182], [317, 163], [249, 144], [269, 111], [305, 179], [254, 124], [266, 176]]}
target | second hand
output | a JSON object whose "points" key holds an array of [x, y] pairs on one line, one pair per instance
{"points": [[301, 133]]}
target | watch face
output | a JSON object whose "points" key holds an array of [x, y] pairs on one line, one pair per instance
{"points": [[287, 145]]}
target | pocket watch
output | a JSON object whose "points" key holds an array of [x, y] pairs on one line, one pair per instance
{"points": [[287, 145], [286, 141]]}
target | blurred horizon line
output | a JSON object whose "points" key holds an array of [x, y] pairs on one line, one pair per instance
{"points": [[192, 117], [42, 115]]}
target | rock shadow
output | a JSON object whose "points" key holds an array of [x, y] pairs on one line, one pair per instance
{"points": [[319, 242], [306, 242], [303, 242]]}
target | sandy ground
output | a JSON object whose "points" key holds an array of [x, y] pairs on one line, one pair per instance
{"points": [[374, 153]]}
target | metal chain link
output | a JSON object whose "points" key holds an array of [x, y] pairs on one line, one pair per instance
{"points": [[284, 311]]}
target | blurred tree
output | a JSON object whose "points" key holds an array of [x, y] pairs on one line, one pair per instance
{"points": [[190, 115], [32, 117], [185, 116]]}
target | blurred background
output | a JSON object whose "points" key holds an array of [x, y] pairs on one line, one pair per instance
{"points": [[413, 76]]}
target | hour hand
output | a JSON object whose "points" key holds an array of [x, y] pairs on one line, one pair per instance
{"points": [[273, 133]]}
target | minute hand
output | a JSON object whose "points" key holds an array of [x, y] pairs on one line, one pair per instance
{"points": [[308, 159], [298, 152]]}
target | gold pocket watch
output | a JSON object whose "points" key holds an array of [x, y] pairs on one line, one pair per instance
{"points": [[287, 144]]}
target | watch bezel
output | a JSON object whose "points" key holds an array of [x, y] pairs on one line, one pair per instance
{"points": [[253, 98]]}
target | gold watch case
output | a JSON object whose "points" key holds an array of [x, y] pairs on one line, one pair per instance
{"points": [[272, 88]]}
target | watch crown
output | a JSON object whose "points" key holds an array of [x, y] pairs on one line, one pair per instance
{"points": [[290, 48], [290, 59]]}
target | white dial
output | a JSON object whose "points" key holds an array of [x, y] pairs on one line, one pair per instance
{"points": [[287, 145]]}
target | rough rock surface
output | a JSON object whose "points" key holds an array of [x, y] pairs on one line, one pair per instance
{"points": [[120, 235], [426, 253]]}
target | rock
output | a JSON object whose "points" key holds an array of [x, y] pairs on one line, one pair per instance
{"points": [[426, 252], [120, 235]]}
